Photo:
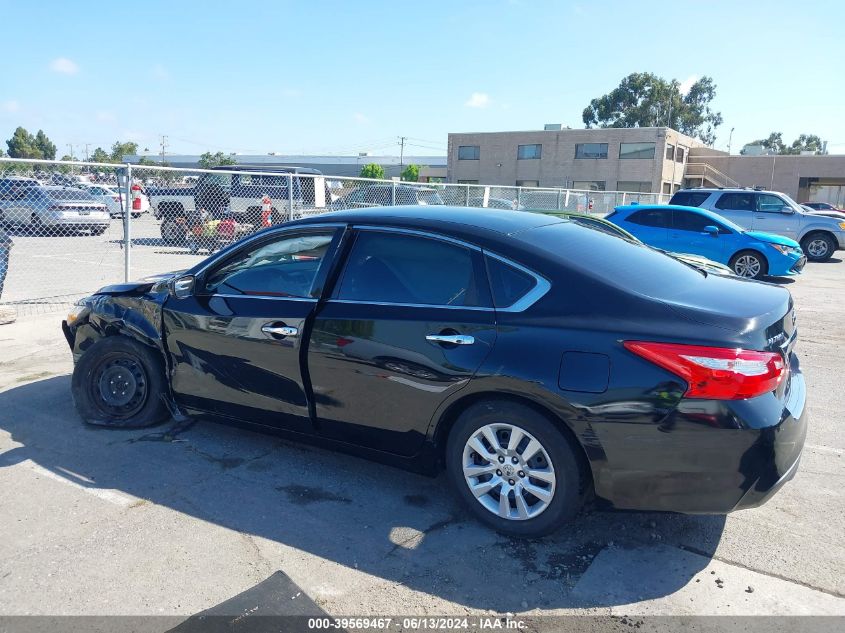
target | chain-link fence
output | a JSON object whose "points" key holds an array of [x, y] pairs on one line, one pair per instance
{"points": [[67, 229]]}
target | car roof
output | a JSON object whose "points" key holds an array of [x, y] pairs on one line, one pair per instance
{"points": [[466, 221]]}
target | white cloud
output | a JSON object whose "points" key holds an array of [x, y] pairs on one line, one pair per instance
{"points": [[64, 65], [360, 119], [478, 100], [687, 83], [11, 106], [160, 73]]}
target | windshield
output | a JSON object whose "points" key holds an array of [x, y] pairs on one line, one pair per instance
{"points": [[70, 194], [795, 206]]}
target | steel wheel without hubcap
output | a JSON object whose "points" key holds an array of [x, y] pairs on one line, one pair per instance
{"points": [[119, 386], [747, 266], [817, 248], [508, 471]]}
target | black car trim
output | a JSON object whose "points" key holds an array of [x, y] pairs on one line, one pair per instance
{"points": [[412, 305]]}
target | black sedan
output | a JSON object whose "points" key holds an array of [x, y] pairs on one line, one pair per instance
{"points": [[538, 361]]}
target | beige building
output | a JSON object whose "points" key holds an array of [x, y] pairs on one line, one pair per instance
{"points": [[804, 178], [605, 159]]}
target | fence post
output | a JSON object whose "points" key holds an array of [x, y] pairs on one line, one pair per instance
{"points": [[558, 198], [466, 198], [518, 197], [623, 198], [566, 202], [290, 197], [393, 193], [127, 223]]}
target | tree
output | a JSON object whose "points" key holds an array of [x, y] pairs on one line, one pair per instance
{"points": [[411, 173], [209, 160], [646, 100], [22, 145], [372, 170], [119, 150], [99, 155], [45, 145], [774, 142]]}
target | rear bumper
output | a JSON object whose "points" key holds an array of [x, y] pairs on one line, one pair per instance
{"points": [[710, 457]]}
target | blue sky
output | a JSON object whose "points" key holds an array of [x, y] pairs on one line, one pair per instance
{"points": [[342, 77]]}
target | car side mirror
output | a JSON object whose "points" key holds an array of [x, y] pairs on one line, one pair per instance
{"points": [[712, 231], [787, 210], [182, 287]]}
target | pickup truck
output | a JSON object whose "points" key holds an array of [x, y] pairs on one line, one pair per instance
{"points": [[236, 188]]}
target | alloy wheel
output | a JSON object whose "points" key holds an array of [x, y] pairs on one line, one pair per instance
{"points": [[508, 471], [747, 266], [817, 248]]}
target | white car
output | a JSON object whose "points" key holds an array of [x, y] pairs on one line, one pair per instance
{"points": [[108, 197]]}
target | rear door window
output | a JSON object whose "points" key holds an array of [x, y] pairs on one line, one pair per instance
{"points": [[396, 268], [736, 202], [687, 221], [657, 218]]}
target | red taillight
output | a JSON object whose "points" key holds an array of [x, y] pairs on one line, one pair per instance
{"points": [[716, 373]]}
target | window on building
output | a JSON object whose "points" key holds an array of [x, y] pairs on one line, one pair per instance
{"points": [[670, 151], [636, 150], [589, 185], [591, 150], [469, 152], [667, 187], [524, 152], [638, 186], [467, 182], [527, 183], [680, 154]]}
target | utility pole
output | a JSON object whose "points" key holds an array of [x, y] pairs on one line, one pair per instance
{"points": [[86, 151], [163, 147], [70, 153], [730, 137], [402, 140]]}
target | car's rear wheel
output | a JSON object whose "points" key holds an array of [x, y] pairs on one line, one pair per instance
{"points": [[172, 232], [749, 264], [818, 247], [513, 468], [119, 382]]}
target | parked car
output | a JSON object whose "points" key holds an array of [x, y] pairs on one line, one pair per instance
{"points": [[113, 199], [752, 254], [386, 195], [606, 226], [494, 203], [11, 189], [56, 210], [822, 206], [538, 361], [831, 213], [772, 212], [231, 190]]}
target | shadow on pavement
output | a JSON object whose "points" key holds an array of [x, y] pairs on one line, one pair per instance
{"points": [[385, 522]]}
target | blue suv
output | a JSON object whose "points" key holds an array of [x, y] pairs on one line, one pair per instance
{"points": [[681, 229]]}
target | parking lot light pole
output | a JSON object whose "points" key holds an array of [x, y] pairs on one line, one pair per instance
{"points": [[127, 224]]}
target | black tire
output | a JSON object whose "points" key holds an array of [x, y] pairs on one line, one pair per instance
{"points": [[567, 497], [116, 360], [822, 246], [741, 264], [172, 232]]}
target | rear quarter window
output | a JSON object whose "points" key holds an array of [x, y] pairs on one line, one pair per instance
{"points": [[508, 284], [689, 198]]}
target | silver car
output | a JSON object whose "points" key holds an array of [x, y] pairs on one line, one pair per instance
{"points": [[55, 210], [771, 212]]}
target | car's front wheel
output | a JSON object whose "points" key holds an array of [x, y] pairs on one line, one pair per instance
{"points": [[514, 469], [119, 382], [749, 264], [818, 247]]}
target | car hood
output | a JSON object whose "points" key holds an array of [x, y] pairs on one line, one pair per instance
{"points": [[141, 286], [772, 238], [828, 213]]}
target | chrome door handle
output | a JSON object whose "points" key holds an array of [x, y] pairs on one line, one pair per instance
{"points": [[279, 330], [454, 339]]}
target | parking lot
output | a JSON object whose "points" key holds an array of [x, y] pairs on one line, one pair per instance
{"points": [[171, 521]]}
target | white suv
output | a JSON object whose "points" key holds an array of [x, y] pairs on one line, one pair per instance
{"points": [[772, 212]]}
